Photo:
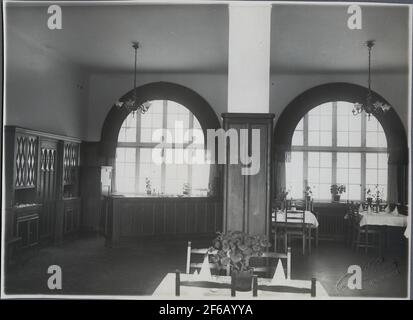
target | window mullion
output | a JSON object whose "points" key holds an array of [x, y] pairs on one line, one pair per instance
{"points": [[334, 153], [164, 126], [305, 153], [137, 152], [363, 156]]}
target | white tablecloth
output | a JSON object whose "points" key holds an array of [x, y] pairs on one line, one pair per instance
{"points": [[383, 219], [166, 289], [309, 218]]}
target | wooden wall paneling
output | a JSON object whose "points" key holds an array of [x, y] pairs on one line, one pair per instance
{"points": [[181, 216], [134, 217]]}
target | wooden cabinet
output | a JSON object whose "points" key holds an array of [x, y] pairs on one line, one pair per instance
{"points": [[25, 164], [27, 225], [70, 179], [41, 171], [71, 215], [47, 189]]}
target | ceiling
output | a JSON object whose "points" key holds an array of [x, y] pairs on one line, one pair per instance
{"points": [[316, 38], [173, 38], [194, 38]]}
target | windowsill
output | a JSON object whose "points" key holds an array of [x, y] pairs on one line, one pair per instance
{"points": [[137, 195]]}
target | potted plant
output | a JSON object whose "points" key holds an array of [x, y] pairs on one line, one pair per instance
{"points": [[336, 191], [283, 197], [235, 249], [369, 197], [148, 186], [308, 193], [186, 189]]}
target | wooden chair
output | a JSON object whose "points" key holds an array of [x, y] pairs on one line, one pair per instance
{"points": [[200, 252], [309, 206], [286, 289], [266, 267], [364, 236], [294, 225]]}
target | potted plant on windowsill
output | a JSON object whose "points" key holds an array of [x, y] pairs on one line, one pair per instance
{"points": [[148, 186], [308, 193], [336, 191], [235, 249]]}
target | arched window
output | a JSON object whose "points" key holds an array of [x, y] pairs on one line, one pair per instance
{"points": [[166, 131], [332, 146]]}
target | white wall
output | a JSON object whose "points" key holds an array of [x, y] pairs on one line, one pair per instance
{"points": [[44, 91]]}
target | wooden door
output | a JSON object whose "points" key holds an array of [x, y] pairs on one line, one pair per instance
{"points": [[48, 187]]}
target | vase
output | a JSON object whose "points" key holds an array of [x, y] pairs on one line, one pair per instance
{"points": [[243, 280], [336, 197]]}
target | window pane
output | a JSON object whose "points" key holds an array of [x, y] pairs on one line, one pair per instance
{"points": [[325, 138], [294, 175], [349, 174], [134, 177], [355, 139], [371, 160], [313, 138], [298, 138], [313, 159]]}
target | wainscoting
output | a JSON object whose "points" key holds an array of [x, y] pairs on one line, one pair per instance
{"points": [[128, 217]]}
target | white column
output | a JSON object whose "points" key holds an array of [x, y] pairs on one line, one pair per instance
{"points": [[249, 58]]}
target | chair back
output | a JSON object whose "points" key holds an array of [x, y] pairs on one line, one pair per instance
{"points": [[199, 254], [295, 216], [267, 263], [309, 205]]}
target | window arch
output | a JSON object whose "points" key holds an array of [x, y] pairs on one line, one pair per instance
{"points": [[152, 152], [330, 145]]}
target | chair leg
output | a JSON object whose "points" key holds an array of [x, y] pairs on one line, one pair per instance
{"points": [[285, 241], [366, 244], [304, 241], [309, 240]]}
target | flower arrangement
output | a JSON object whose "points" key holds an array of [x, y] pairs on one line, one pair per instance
{"points": [[186, 189], [148, 186], [308, 192], [337, 189], [374, 195], [236, 248]]}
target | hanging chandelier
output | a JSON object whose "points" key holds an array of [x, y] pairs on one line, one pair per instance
{"points": [[132, 105], [369, 107]]}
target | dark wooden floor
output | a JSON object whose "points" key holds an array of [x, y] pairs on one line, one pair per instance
{"points": [[90, 268]]}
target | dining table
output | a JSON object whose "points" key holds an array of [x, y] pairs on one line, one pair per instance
{"points": [[220, 287], [383, 220], [309, 218]]}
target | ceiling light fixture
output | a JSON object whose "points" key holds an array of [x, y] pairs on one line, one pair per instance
{"points": [[369, 107], [132, 105]]}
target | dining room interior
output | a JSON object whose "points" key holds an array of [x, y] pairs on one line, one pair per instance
{"points": [[207, 149]]}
